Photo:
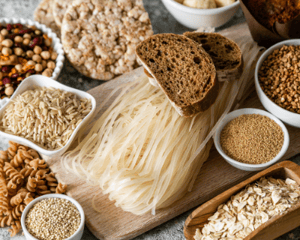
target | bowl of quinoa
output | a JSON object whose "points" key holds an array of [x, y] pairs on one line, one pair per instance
{"points": [[53, 217], [277, 82], [251, 139]]}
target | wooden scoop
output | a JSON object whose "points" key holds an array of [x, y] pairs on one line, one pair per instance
{"points": [[273, 228]]}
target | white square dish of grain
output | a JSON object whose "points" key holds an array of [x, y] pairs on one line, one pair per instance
{"points": [[32, 83]]}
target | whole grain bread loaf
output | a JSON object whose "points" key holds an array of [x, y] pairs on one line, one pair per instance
{"points": [[224, 52], [182, 69]]}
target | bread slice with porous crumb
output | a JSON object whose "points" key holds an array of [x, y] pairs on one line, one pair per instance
{"points": [[182, 69], [224, 52]]}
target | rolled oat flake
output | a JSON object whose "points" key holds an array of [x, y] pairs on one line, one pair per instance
{"points": [[53, 219], [252, 138]]}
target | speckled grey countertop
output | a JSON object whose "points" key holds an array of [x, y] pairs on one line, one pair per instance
{"points": [[162, 22]]}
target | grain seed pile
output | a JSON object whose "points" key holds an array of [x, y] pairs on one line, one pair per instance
{"points": [[23, 177], [45, 116], [250, 208], [53, 219], [252, 138], [279, 77]]}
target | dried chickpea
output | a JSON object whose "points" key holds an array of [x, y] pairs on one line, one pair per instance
{"points": [[37, 50], [9, 91], [6, 51], [18, 51], [29, 53], [30, 62], [4, 32], [48, 72], [47, 42], [1, 37], [38, 67], [7, 43], [19, 67], [26, 41], [18, 39], [51, 65], [37, 58], [53, 56], [37, 32], [44, 64], [26, 35], [45, 55]]}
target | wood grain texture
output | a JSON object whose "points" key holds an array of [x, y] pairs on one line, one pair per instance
{"points": [[112, 223], [273, 228]]}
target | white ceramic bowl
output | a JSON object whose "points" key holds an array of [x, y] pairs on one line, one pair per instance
{"points": [[56, 44], [286, 116], [245, 166], [76, 236], [195, 18], [39, 80]]}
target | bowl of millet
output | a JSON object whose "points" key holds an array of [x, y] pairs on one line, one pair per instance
{"points": [[26, 48], [277, 81], [53, 216]]}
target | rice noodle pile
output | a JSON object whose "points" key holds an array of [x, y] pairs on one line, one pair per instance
{"points": [[45, 116], [142, 152]]}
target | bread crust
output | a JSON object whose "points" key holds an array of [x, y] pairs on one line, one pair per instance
{"points": [[233, 60], [211, 87]]}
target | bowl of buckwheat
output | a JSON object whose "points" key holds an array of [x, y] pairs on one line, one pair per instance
{"points": [[277, 81], [26, 48], [251, 139], [53, 216]]}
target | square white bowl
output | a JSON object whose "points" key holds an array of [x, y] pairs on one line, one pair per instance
{"points": [[286, 116], [40, 81], [247, 166]]}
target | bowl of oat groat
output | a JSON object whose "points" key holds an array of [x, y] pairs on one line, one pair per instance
{"points": [[277, 82], [53, 216]]}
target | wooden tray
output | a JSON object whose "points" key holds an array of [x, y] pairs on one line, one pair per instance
{"points": [[216, 175], [273, 228]]}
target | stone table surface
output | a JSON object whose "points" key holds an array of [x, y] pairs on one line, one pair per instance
{"points": [[162, 22]]}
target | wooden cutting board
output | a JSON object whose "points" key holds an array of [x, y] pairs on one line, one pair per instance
{"points": [[215, 176]]}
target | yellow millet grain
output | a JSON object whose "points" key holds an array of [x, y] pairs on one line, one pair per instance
{"points": [[252, 138]]}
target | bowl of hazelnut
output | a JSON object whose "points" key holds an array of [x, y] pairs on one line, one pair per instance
{"points": [[277, 81], [26, 48]]}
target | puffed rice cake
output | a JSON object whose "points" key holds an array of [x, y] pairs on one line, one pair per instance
{"points": [[100, 36], [59, 8], [43, 14]]}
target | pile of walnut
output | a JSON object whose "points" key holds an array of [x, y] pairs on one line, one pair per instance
{"points": [[23, 177], [23, 51], [250, 208]]}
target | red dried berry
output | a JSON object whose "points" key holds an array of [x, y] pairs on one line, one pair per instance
{"points": [[6, 80], [5, 69], [18, 45], [32, 44], [30, 71], [9, 27], [19, 25], [12, 36], [15, 75]]}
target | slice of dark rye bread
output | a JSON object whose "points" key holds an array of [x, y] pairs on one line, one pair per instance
{"points": [[224, 52], [182, 69]]}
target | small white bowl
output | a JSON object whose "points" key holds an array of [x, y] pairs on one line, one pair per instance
{"points": [[246, 166], [76, 236], [42, 81], [195, 18], [286, 116], [56, 44]]}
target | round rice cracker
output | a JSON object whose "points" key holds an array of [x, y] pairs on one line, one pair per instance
{"points": [[43, 14], [100, 36], [59, 7]]}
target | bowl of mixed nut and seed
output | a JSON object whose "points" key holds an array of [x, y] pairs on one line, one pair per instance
{"points": [[27, 47], [53, 216], [277, 81]]}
